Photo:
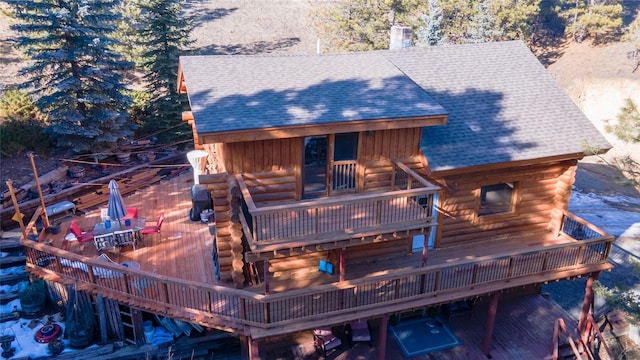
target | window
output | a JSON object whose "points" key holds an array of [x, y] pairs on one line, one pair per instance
{"points": [[497, 199]]}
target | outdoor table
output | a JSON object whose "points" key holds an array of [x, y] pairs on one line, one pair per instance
{"points": [[135, 225]]}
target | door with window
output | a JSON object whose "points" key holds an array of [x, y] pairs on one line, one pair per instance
{"points": [[330, 164]]}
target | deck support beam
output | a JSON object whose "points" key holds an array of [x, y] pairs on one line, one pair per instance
{"points": [[382, 337], [491, 322], [587, 303], [254, 350], [266, 276], [341, 253], [425, 247]]}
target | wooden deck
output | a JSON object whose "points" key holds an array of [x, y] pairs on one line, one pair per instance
{"points": [[176, 272], [171, 253], [184, 249]]}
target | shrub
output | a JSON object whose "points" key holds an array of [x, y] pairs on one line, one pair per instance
{"points": [[21, 125]]}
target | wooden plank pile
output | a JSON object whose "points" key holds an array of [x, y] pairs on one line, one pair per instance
{"points": [[94, 192]]}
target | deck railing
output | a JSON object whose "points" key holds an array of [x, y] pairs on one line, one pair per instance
{"points": [[225, 307], [344, 175], [408, 202]]}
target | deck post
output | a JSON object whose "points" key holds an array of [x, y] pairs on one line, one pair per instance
{"points": [[102, 317], [341, 252], [491, 321], [382, 337], [254, 351], [586, 305], [266, 276], [425, 247]]}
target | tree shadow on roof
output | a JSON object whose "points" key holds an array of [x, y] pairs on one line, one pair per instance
{"points": [[478, 131]]}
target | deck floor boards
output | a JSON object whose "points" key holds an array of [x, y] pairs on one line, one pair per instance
{"points": [[184, 248], [184, 251]]}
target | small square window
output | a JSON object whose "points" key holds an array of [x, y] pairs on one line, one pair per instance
{"points": [[496, 199]]}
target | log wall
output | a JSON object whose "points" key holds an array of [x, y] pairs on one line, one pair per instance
{"points": [[219, 189], [263, 155], [540, 190], [269, 186], [377, 174], [287, 154], [389, 144]]}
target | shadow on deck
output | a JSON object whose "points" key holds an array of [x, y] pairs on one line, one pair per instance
{"points": [[523, 330]]}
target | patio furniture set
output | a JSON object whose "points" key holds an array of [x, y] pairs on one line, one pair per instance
{"points": [[325, 339], [114, 235]]}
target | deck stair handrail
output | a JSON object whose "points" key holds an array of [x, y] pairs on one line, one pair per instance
{"points": [[593, 339], [560, 329], [332, 217], [239, 308]]}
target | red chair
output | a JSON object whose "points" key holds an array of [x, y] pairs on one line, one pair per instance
{"points": [[80, 235], [154, 229], [132, 213]]}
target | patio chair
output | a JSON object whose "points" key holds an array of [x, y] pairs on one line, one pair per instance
{"points": [[103, 242], [324, 340], [132, 213], [154, 229], [124, 238], [459, 309], [82, 236], [360, 331]]}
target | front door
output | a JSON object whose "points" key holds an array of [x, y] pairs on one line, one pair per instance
{"points": [[315, 166], [329, 164], [343, 177]]}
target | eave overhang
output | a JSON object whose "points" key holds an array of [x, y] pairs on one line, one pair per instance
{"points": [[320, 129], [435, 173]]}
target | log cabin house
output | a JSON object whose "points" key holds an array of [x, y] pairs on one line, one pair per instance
{"points": [[357, 186]]}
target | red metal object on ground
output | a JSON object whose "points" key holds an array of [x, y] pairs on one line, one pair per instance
{"points": [[48, 333]]}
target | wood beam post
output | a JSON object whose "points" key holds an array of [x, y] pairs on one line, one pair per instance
{"points": [[491, 322], [103, 318], [254, 351], [382, 337], [18, 215], [266, 276], [425, 247], [586, 305], [45, 217], [341, 253]]}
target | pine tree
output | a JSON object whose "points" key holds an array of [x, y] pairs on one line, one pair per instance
{"points": [[128, 31], [482, 25], [165, 36], [362, 25], [516, 19], [598, 19], [627, 128], [632, 35], [431, 32], [73, 72]]}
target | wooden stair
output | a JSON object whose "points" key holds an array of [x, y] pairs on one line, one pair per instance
{"points": [[589, 345]]}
